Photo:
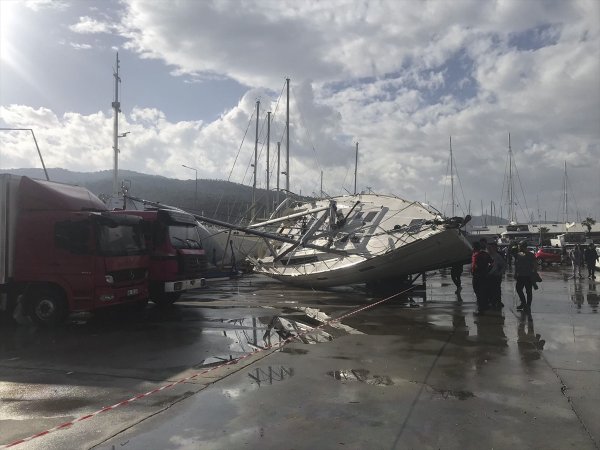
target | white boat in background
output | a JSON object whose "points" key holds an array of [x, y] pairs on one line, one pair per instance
{"points": [[360, 238], [230, 248]]}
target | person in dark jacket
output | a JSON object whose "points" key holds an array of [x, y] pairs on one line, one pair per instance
{"points": [[480, 266], [576, 256], [456, 271], [525, 269], [591, 257], [495, 276]]}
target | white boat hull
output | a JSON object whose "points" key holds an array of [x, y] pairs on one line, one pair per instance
{"points": [[411, 259], [232, 247], [379, 251]]}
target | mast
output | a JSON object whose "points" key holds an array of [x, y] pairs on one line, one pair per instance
{"points": [[268, 165], [116, 105], [511, 211], [278, 170], [321, 184], [565, 196], [287, 137], [355, 168], [451, 177], [255, 162]]}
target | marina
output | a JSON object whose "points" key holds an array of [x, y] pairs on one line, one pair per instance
{"points": [[253, 363], [195, 255]]}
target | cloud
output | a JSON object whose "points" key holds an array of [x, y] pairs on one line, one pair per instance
{"points": [[87, 25], [77, 46], [39, 5], [398, 77]]}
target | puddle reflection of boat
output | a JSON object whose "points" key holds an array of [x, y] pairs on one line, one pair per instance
{"points": [[361, 238], [362, 376], [288, 329], [303, 324]]}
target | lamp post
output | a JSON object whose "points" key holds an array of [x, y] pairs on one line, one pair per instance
{"points": [[196, 194], [36, 145]]}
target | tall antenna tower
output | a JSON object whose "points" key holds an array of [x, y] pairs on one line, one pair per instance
{"points": [[116, 105]]}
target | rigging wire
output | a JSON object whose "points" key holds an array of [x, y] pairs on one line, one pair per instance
{"points": [[526, 211], [564, 207], [250, 120], [459, 183], [310, 139], [504, 183]]}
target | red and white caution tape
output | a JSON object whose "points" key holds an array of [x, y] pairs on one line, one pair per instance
{"points": [[183, 380]]}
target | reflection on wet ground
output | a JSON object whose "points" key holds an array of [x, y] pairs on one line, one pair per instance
{"points": [[529, 342], [271, 315], [270, 375], [429, 338], [361, 375]]}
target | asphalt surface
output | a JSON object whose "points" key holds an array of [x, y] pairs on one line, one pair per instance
{"points": [[412, 371]]}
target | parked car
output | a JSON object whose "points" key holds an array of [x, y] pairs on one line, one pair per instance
{"points": [[549, 255]]}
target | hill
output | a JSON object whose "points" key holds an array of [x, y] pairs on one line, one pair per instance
{"points": [[220, 199]]}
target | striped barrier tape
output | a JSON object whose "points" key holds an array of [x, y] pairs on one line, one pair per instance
{"points": [[183, 380]]}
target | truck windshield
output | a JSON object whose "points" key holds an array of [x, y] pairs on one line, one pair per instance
{"points": [[120, 240], [183, 236]]}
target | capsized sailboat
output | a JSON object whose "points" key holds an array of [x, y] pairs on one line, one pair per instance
{"points": [[361, 238]]}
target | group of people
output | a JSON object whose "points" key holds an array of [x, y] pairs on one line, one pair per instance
{"points": [[587, 256], [487, 268]]}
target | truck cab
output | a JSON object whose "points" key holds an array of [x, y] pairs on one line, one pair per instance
{"points": [[177, 259], [63, 252]]}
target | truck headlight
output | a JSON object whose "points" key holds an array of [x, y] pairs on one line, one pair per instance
{"points": [[109, 279]]}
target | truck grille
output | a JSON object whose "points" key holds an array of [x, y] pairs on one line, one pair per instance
{"points": [[128, 275], [193, 264]]}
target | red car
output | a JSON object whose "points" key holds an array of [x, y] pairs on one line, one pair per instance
{"points": [[549, 255]]}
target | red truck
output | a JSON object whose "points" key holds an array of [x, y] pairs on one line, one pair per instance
{"points": [[62, 251], [177, 259]]}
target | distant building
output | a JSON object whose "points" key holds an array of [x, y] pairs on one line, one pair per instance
{"points": [[504, 234]]}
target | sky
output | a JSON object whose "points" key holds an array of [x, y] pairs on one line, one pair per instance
{"points": [[399, 77]]}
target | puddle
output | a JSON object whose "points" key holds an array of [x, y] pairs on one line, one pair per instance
{"points": [[453, 394], [270, 375], [286, 329], [294, 351], [362, 376]]}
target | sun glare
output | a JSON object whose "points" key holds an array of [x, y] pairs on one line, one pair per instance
{"points": [[8, 25]]}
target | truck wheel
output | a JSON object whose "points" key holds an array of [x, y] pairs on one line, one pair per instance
{"points": [[47, 307], [166, 298]]}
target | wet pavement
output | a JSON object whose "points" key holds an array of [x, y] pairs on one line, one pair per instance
{"points": [[411, 372]]}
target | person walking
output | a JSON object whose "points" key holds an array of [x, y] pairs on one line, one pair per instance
{"points": [[576, 256], [480, 264], [591, 257], [525, 269], [495, 276], [456, 271]]}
